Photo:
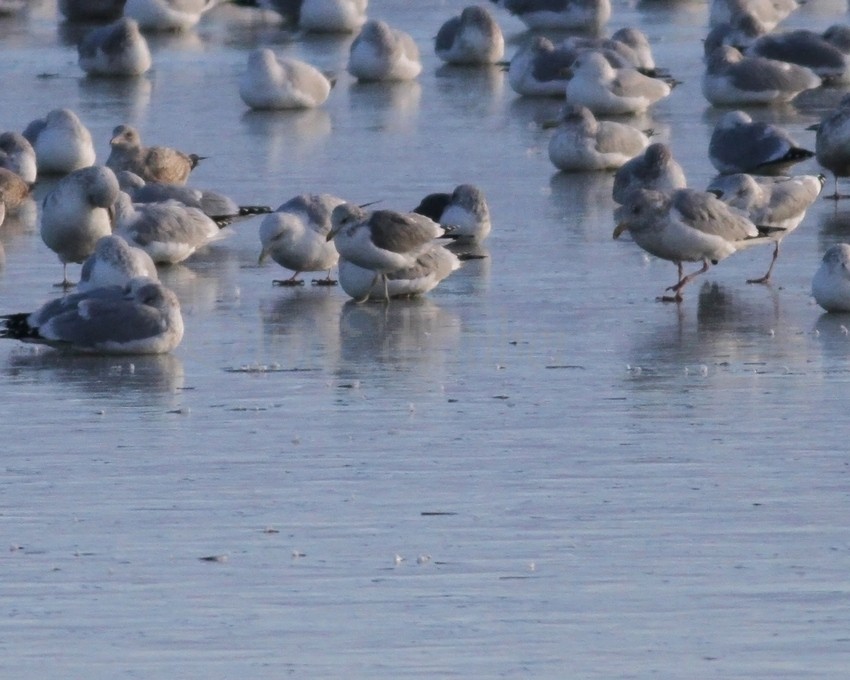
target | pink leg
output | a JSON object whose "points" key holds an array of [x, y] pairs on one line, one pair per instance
{"points": [[766, 277]]}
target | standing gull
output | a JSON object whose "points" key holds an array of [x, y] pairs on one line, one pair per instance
{"points": [[77, 212], [685, 226], [654, 169], [151, 163], [583, 15], [18, 155], [380, 52], [62, 143], [581, 142], [777, 202], [114, 262], [382, 241], [732, 79], [118, 49], [145, 319], [473, 38], [464, 211], [295, 236], [832, 142], [433, 265], [607, 90], [831, 282], [271, 83], [739, 145]]}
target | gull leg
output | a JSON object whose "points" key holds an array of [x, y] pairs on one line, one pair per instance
{"points": [[65, 284], [291, 281], [766, 277], [677, 289], [327, 281]]}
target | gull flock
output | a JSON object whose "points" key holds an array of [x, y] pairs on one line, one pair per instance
{"points": [[134, 212]]}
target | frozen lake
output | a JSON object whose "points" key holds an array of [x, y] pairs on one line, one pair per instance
{"points": [[537, 471]]}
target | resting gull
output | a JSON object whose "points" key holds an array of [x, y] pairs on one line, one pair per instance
{"points": [[118, 49], [77, 212], [115, 262], [295, 236], [584, 15], [777, 202], [738, 144], [768, 12], [18, 155], [62, 143], [581, 142], [472, 38], [539, 68], [607, 90], [685, 226], [464, 211], [321, 16], [380, 52], [831, 282], [654, 169], [168, 15], [151, 163], [270, 82], [143, 318]]}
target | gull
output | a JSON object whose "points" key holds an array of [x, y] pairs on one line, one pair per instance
{"points": [[295, 236], [380, 52], [91, 10], [654, 169], [216, 205], [321, 16], [740, 31], [831, 282], [777, 202], [581, 142], [768, 12], [115, 262], [585, 15], [270, 82], [686, 226], [118, 49], [383, 240], [630, 44], [62, 143], [733, 79], [464, 211], [77, 212], [432, 265], [832, 142], [739, 145], [168, 15], [14, 191], [144, 318], [472, 38], [18, 155], [151, 163], [826, 54], [539, 68], [607, 90], [169, 231]]}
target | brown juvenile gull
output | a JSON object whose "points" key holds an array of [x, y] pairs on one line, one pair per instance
{"points": [[151, 163]]}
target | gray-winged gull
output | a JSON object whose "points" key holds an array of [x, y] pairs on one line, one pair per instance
{"points": [[168, 15], [118, 49], [831, 282], [472, 38], [584, 15], [115, 262], [832, 141], [62, 143], [654, 169], [464, 211], [270, 82], [540, 69], [380, 52], [321, 16]]}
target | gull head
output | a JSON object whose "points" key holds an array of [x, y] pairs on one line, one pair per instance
{"points": [[345, 215]]}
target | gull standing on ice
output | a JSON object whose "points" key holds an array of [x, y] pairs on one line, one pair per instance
{"points": [[583, 15], [606, 90], [296, 237], [383, 240], [832, 142], [473, 38], [831, 282], [118, 49], [739, 145], [169, 232], [464, 211], [380, 52], [581, 142], [654, 169], [733, 79], [18, 155], [151, 163], [62, 143], [685, 226], [270, 82], [77, 212], [143, 319], [115, 262], [778, 202], [433, 265]]}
